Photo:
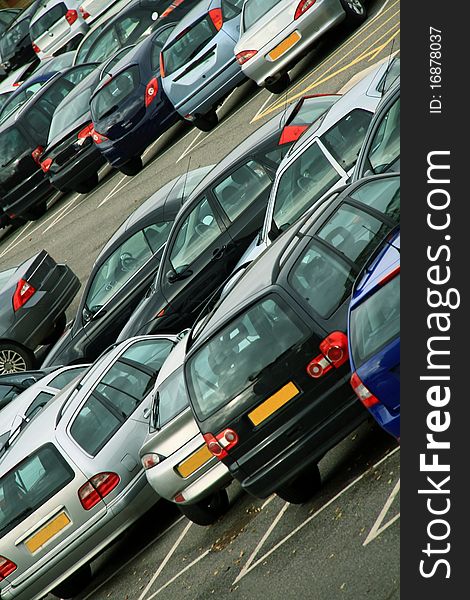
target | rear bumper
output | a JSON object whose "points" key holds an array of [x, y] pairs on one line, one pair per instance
{"points": [[77, 170], [388, 420], [30, 192]]}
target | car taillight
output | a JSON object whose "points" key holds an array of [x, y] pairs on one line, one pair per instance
{"points": [[83, 12], [151, 91], [220, 444], [364, 395], [98, 138], [23, 293], [86, 132], [217, 18], [162, 65], [303, 7], [291, 133], [46, 164], [334, 353], [97, 488], [36, 154], [150, 460], [245, 55], [36, 48], [6, 567], [71, 16]]}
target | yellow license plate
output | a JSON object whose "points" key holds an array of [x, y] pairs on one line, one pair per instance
{"points": [[196, 460], [274, 403], [284, 46], [47, 532]]}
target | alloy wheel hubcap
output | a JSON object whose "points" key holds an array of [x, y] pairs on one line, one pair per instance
{"points": [[11, 362], [356, 6]]}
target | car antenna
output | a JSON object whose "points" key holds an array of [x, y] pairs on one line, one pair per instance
{"points": [[185, 181], [387, 70]]}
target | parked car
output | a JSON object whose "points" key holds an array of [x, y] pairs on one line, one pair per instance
{"points": [[24, 187], [15, 44], [129, 109], [178, 464], [122, 274], [275, 34], [267, 369], [14, 384], [216, 225], [33, 300], [380, 152], [198, 67], [374, 335], [71, 480], [56, 26], [7, 15], [92, 9]]}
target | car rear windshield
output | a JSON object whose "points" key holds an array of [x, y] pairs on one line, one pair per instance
{"points": [[47, 20], [188, 44], [375, 322], [311, 109], [170, 399], [13, 144], [70, 111], [10, 40], [230, 361], [30, 484], [255, 9], [114, 92]]}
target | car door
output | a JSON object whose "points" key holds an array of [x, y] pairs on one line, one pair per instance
{"points": [[195, 260]]}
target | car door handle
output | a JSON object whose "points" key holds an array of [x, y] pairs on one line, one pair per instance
{"points": [[219, 253], [146, 413]]}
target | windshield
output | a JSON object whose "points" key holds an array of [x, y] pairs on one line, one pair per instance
{"points": [[170, 399], [13, 145], [117, 89], [255, 9], [47, 20], [70, 111]]}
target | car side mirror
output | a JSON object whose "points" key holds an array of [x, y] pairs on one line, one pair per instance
{"points": [[274, 232], [172, 276]]}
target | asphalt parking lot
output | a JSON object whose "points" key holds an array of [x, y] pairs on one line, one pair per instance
{"points": [[345, 542]]}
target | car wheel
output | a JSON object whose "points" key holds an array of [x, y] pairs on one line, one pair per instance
{"points": [[132, 167], [36, 212], [207, 511], [86, 186], [303, 487], [58, 330], [355, 10], [74, 584], [278, 85], [206, 122], [15, 358]]}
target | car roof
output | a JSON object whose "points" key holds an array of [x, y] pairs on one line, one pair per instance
{"points": [[173, 362], [194, 14]]}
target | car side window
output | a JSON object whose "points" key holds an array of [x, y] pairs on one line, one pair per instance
{"points": [[196, 233], [344, 140], [157, 45], [242, 188], [106, 45], [157, 234], [231, 8], [385, 146], [64, 378], [382, 195]]}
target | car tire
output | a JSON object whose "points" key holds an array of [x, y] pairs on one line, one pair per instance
{"points": [[279, 85], [207, 511], [15, 358], [206, 122], [87, 185], [36, 212], [132, 167], [303, 487], [74, 584], [355, 10], [59, 327]]}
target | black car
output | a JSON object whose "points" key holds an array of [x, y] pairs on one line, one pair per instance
{"points": [[219, 222], [24, 188], [33, 300], [267, 370], [122, 274], [15, 44]]}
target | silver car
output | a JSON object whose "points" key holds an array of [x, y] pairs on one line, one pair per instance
{"points": [[57, 24], [71, 481], [92, 9], [198, 67], [178, 463], [274, 34]]}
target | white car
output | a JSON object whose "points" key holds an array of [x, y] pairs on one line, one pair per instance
{"points": [[92, 9]]}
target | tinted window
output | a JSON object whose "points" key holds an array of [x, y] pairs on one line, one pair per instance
{"points": [[105, 46], [30, 484], [88, 41], [157, 45], [11, 39], [385, 146], [188, 44], [231, 8], [64, 378], [255, 9], [38, 403], [114, 92], [235, 357], [13, 144], [196, 233], [170, 399], [47, 20], [242, 188], [69, 111], [375, 322], [20, 97], [344, 140], [312, 108], [382, 195]]}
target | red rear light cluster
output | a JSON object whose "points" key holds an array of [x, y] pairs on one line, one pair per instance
{"points": [[220, 444], [71, 16], [245, 55], [84, 13], [97, 488], [23, 293], [364, 395], [151, 91], [291, 133], [334, 353], [86, 132], [36, 48], [303, 6], [36, 154], [6, 567], [98, 138], [217, 18], [46, 164]]}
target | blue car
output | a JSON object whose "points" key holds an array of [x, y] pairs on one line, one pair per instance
{"points": [[374, 336], [130, 110]]}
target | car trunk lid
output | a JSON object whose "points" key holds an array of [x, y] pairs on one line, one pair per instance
{"points": [[50, 28], [268, 27]]}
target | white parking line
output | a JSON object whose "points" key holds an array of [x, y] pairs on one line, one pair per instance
{"points": [[260, 110], [377, 529], [113, 191], [187, 567], [62, 212]]}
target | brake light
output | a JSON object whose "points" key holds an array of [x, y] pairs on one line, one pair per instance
{"points": [[36, 154], [36, 48], [150, 460], [217, 18], [245, 55], [86, 132], [179, 498], [162, 65], [303, 7], [365, 396], [220, 445], [6, 567], [97, 488], [84, 13], [23, 293], [71, 16], [390, 276], [151, 91], [98, 138], [291, 133], [334, 353], [46, 164]]}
